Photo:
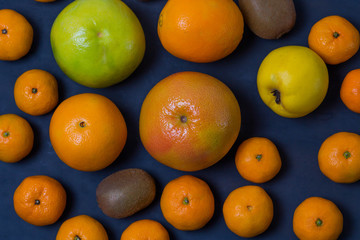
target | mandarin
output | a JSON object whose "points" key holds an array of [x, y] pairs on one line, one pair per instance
{"points": [[350, 90], [145, 229]]}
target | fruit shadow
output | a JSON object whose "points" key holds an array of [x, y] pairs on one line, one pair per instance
{"points": [[36, 37], [348, 227], [279, 215]]}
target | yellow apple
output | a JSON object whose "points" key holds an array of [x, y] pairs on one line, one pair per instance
{"points": [[292, 81]]}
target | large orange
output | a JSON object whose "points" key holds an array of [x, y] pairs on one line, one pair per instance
{"points": [[339, 157], [36, 92], [82, 227], [16, 138], [88, 132], [335, 39], [145, 229], [201, 30], [16, 35], [248, 211], [258, 160], [350, 90], [187, 203], [40, 200], [317, 218], [189, 121]]}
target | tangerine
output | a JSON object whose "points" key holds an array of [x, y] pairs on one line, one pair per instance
{"points": [[145, 229], [350, 90]]}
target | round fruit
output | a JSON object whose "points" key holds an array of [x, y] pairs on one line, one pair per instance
{"points": [[335, 39], [40, 200], [189, 121], [82, 227], [16, 138], [125, 192], [258, 160], [350, 91], [97, 43], [187, 203], [201, 30], [317, 219], [36, 92], [248, 211], [145, 229], [339, 157], [88, 132], [16, 35], [292, 81]]}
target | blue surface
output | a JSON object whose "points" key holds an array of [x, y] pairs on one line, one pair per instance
{"points": [[298, 140]]}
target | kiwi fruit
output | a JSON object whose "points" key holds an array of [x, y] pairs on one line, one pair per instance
{"points": [[269, 19], [125, 192]]}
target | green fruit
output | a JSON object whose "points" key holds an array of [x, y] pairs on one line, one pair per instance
{"points": [[125, 192], [97, 43]]}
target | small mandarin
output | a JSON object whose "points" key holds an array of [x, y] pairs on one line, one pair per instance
{"points": [[248, 211], [187, 203], [145, 229], [36, 92], [39, 200], [258, 160], [317, 218], [350, 90]]}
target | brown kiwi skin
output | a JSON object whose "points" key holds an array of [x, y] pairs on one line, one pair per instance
{"points": [[125, 192], [268, 19]]}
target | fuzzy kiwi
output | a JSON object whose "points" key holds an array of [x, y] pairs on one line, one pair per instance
{"points": [[125, 192], [269, 19]]}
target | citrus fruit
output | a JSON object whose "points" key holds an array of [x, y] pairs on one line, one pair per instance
{"points": [[202, 30], [16, 138], [258, 160], [335, 39], [292, 81], [16, 35], [187, 203], [81, 227], [248, 211], [88, 132], [36, 92], [350, 90], [97, 43], [189, 121], [40, 200], [145, 229], [317, 218], [339, 157]]}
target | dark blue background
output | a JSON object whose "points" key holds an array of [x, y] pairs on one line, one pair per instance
{"points": [[298, 140]]}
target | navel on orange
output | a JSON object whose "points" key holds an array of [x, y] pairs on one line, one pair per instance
{"points": [[88, 132], [16, 138], [36, 92], [40, 200], [16, 35], [201, 30]]}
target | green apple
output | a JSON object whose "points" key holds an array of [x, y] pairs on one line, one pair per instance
{"points": [[292, 81], [97, 43]]}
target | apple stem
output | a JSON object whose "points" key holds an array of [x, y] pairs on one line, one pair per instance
{"points": [[276, 94]]}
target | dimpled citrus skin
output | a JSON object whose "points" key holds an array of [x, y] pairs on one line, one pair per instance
{"points": [[87, 132], [84, 227], [145, 229], [212, 124], [97, 49]]}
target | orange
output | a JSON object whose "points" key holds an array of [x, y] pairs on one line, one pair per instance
{"points": [[36, 92], [16, 35], [202, 30], [335, 39], [16, 138], [248, 211], [82, 227], [317, 218], [350, 91], [258, 160], [187, 203], [40, 200], [145, 229], [88, 132], [339, 157], [189, 121]]}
